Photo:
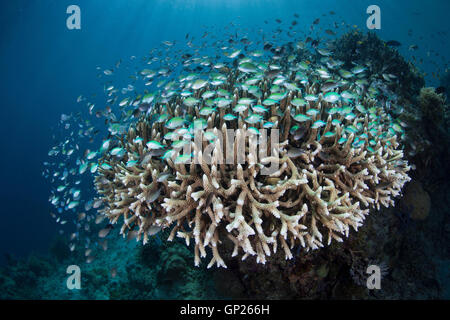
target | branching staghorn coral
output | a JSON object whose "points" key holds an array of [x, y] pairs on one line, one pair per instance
{"points": [[337, 157]]}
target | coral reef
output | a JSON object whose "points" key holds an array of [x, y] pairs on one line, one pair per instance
{"points": [[335, 272], [128, 271], [399, 237], [427, 138], [20, 279], [382, 60], [416, 201], [337, 162], [404, 255], [338, 154], [432, 106]]}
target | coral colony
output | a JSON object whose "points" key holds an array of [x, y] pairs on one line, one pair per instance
{"points": [[266, 155]]}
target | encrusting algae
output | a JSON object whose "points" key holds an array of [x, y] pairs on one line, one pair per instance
{"points": [[337, 155]]}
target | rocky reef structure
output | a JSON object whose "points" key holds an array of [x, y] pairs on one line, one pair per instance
{"points": [[432, 106], [427, 136], [154, 271], [416, 201], [381, 59], [338, 155]]}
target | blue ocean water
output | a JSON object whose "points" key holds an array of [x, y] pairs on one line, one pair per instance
{"points": [[45, 67]]}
